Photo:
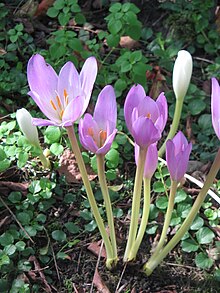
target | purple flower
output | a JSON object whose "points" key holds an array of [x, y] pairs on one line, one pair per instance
{"points": [[145, 118], [151, 159], [215, 106], [177, 156], [97, 133], [62, 98]]}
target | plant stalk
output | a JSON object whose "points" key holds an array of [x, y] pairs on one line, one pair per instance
{"points": [[108, 206], [144, 220], [135, 202], [91, 198], [167, 218], [156, 260], [174, 126]]}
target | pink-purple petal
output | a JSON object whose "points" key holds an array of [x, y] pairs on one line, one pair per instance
{"points": [[87, 78], [42, 78], [43, 122], [215, 108], [106, 108], [107, 145], [73, 111], [133, 99], [144, 132], [163, 108]]}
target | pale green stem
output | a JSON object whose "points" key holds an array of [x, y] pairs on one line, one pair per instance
{"points": [[168, 216], [45, 161], [144, 220], [156, 260], [91, 198], [108, 206], [135, 202], [174, 126]]}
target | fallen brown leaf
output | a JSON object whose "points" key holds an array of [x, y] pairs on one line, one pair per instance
{"points": [[95, 247], [99, 283], [128, 42]]}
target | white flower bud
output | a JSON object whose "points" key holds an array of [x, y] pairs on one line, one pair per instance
{"points": [[182, 72], [24, 120]]}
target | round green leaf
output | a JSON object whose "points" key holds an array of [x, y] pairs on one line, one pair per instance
{"points": [[180, 195], [189, 245], [52, 134], [59, 235], [71, 227], [203, 261], [56, 149], [196, 106], [197, 223], [162, 202], [204, 235]]}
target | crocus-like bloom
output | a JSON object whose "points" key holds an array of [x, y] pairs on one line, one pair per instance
{"points": [[24, 120], [63, 99], [215, 106], [97, 133], [151, 159], [177, 156], [145, 118], [182, 73]]}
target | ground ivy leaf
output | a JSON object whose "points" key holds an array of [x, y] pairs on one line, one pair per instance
{"points": [[204, 235], [197, 223], [59, 235], [189, 245], [203, 261]]}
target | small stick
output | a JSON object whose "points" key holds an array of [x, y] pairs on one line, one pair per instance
{"points": [[97, 264], [19, 224], [122, 274]]}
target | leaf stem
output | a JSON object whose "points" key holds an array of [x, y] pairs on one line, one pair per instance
{"points": [[135, 202], [91, 198], [144, 220], [108, 205], [155, 261]]}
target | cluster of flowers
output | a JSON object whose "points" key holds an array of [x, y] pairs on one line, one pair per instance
{"points": [[64, 98]]}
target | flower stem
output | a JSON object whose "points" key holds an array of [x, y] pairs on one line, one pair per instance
{"points": [[174, 126], [91, 198], [136, 202], [105, 193], [167, 218], [144, 220], [155, 261], [45, 162]]}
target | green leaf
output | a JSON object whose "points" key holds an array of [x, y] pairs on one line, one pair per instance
{"points": [[189, 245], [63, 18], [115, 7], [59, 4], [15, 196], [80, 18], [180, 196], [20, 245], [113, 40], [135, 56], [35, 186], [196, 106], [162, 202], [10, 249], [6, 239], [114, 26], [118, 213], [204, 235], [197, 223], [22, 159], [151, 229], [203, 261], [91, 226], [57, 51], [52, 12], [113, 157], [56, 149], [59, 235], [4, 165], [24, 218], [71, 227], [158, 186], [75, 44], [111, 174], [52, 134], [94, 163]]}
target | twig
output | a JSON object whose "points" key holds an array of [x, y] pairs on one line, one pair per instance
{"points": [[97, 264], [198, 183], [55, 263], [122, 274], [203, 59], [180, 265], [19, 224]]}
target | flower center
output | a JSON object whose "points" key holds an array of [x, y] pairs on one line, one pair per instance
{"points": [[101, 136], [148, 115], [57, 104]]}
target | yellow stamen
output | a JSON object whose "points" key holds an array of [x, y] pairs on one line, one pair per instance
{"points": [[149, 115], [53, 105], [90, 132], [58, 102], [102, 136], [61, 113], [65, 96]]}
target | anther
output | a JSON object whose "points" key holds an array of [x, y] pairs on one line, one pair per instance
{"points": [[53, 105]]}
